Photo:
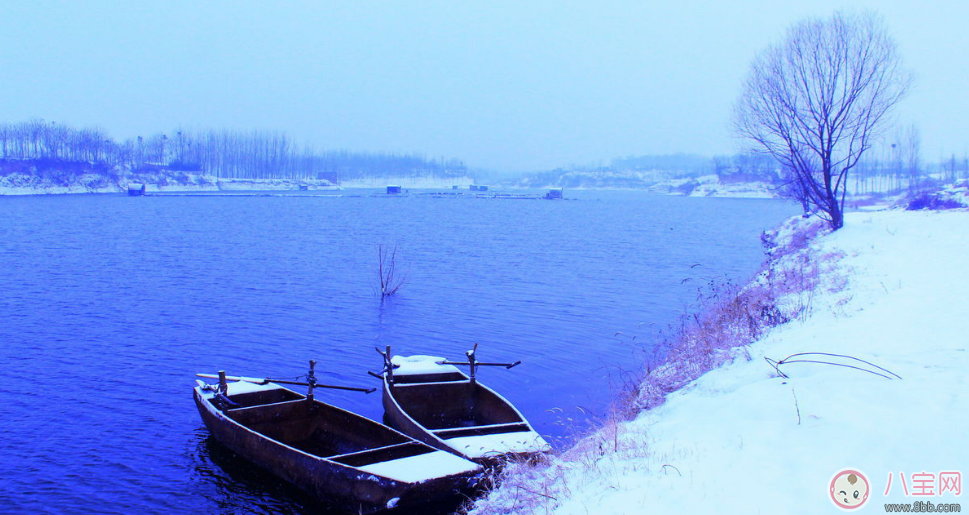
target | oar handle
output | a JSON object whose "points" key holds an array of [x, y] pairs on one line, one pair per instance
{"points": [[349, 388], [320, 385], [266, 380], [256, 380], [480, 364]]}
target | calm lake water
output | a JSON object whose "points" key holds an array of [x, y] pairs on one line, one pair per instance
{"points": [[111, 304]]}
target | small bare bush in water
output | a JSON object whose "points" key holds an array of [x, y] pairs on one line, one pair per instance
{"points": [[389, 273]]}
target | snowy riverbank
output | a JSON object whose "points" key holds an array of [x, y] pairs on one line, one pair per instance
{"points": [[29, 184], [26, 184], [890, 290], [713, 186]]}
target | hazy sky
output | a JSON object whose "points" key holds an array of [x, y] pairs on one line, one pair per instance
{"points": [[520, 85]]}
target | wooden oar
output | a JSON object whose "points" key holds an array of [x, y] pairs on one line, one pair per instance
{"points": [[474, 363], [266, 380], [479, 364]]}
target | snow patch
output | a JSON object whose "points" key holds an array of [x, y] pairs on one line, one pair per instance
{"points": [[416, 365], [423, 467], [484, 446], [429, 182], [240, 387]]}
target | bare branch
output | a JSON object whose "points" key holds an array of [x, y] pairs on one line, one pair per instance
{"points": [[390, 277]]}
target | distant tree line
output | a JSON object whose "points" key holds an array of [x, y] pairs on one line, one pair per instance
{"points": [[222, 153], [638, 172], [661, 162], [746, 167], [895, 167]]}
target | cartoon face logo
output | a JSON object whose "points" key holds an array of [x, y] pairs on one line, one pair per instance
{"points": [[849, 489]]}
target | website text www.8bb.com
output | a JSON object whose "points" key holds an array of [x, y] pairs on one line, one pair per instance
{"points": [[923, 507]]}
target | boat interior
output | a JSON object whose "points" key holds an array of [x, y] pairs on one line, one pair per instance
{"points": [[452, 409], [319, 429]]}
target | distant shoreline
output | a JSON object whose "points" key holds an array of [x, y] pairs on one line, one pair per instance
{"points": [[28, 185]]}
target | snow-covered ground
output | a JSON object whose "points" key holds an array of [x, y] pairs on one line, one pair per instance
{"points": [[409, 182], [265, 185], [711, 186], [29, 184], [743, 439]]}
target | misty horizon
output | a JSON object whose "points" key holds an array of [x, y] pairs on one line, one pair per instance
{"points": [[502, 87]]}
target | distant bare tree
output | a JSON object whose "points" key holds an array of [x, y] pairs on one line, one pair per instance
{"points": [[910, 155], [721, 166], [949, 168], [816, 102]]}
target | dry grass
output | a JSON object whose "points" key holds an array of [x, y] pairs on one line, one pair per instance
{"points": [[529, 486], [728, 319], [731, 318]]}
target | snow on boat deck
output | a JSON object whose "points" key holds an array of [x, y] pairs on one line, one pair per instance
{"points": [[240, 387], [483, 446], [423, 467], [416, 365]]}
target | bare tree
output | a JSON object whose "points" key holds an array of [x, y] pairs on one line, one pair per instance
{"points": [[816, 102]]}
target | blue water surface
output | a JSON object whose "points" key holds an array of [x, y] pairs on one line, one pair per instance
{"points": [[111, 304]]}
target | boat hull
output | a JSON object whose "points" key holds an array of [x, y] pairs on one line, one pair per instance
{"points": [[342, 486], [445, 409]]}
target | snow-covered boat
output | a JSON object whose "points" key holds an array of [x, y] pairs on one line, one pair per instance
{"points": [[433, 401], [344, 459]]}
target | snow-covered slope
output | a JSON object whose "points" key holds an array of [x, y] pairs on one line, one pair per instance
{"points": [[742, 439]]}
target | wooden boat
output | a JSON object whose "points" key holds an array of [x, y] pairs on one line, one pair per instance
{"points": [[433, 401], [344, 459]]}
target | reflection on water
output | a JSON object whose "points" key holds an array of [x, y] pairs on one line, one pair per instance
{"points": [[239, 487]]}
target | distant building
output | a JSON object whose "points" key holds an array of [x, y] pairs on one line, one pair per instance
{"points": [[554, 193], [137, 190], [393, 190]]}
